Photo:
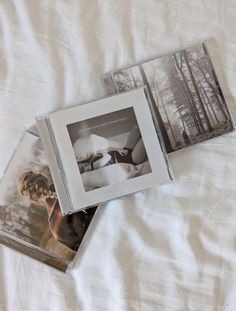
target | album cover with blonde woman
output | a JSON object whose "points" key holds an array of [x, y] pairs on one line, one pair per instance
{"points": [[31, 221]]}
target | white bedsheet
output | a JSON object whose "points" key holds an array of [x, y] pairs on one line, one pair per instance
{"points": [[168, 248]]}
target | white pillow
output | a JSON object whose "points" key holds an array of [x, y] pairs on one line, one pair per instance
{"points": [[86, 147]]}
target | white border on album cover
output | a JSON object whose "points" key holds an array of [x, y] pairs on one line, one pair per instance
{"points": [[136, 99]]}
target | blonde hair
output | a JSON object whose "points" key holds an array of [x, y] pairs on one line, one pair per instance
{"points": [[33, 185]]}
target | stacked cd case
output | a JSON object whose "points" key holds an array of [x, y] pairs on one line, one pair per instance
{"points": [[30, 217]]}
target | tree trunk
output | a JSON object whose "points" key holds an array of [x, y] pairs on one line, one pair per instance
{"points": [[194, 113], [203, 94], [213, 90], [163, 105], [209, 102], [217, 98], [197, 91], [182, 119], [158, 115]]}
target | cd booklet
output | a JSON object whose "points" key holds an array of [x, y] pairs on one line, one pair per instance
{"points": [[103, 150], [184, 92]]}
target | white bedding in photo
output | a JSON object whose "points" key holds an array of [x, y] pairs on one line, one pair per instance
{"points": [[166, 248], [113, 174]]}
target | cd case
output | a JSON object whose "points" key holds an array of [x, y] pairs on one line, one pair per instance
{"points": [[30, 218], [103, 150], [184, 92]]}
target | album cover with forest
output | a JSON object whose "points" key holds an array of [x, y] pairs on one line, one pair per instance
{"points": [[184, 92]]}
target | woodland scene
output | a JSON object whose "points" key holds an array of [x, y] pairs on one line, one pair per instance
{"points": [[184, 93]]}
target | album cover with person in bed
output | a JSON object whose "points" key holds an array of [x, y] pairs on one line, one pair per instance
{"points": [[31, 221], [184, 92], [101, 142], [103, 150]]}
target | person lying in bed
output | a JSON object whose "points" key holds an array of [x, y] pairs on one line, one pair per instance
{"points": [[69, 229], [132, 153]]}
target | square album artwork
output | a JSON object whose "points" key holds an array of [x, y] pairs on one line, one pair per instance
{"points": [[184, 92], [112, 138], [30, 218], [103, 150]]}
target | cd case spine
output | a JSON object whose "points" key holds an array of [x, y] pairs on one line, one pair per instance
{"points": [[29, 250]]}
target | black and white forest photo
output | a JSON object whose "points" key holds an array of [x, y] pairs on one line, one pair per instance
{"points": [[184, 92]]}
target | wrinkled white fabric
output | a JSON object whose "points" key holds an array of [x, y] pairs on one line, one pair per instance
{"points": [[168, 248]]}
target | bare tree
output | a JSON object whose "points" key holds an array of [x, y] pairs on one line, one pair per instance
{"points": [[208, 79], [197, 91], [195, 114], [158, 115], [158, 97]]}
